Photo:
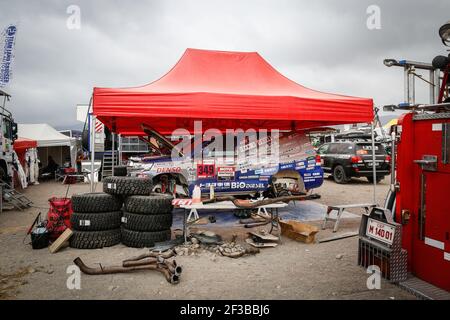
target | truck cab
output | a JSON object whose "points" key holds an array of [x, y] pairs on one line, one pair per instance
{"points": [[8, 134]]}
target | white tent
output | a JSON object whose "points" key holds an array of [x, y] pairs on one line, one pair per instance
{"points": [[50, 143]]}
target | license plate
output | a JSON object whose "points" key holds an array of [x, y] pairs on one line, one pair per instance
{"points": [[380, 231], [370, 164]]}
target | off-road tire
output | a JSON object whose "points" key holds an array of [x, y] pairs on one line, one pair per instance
{"points": [[127, 186], [138, 239], [156, 203], [120, 171], [144, 222], [94, 239], [96, 202], [339, 175], [95, 221]]}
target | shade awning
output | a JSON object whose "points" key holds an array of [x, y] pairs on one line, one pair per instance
{"points": [[45, 135], [225, 90]]}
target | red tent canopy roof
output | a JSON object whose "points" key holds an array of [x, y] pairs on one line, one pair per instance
{"points": [[226, 90], [24, 143]]}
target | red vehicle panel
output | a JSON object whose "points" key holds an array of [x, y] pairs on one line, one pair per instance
{"points": [[425, 193]]}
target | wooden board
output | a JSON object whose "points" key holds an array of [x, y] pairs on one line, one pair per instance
{"points": [[60, 242], [204, 220]]}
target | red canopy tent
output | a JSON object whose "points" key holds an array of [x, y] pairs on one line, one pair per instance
{"points": [[24, 143], [225, 90], [21, 145]]}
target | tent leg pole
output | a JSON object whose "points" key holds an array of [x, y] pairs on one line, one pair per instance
{"points": [[120, 149], [374, 169], [93, 120], [113, 151]]}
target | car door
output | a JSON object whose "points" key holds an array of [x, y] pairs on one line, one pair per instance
{"points": [[324, 157]]}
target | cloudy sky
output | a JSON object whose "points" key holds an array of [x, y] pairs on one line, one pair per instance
{"points": [[324, 45]]}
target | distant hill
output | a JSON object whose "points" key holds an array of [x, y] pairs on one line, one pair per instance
{"points": [[75, 126]]}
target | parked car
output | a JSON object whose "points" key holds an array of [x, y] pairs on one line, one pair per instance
{"points": [[344, 160], [296, 170]]}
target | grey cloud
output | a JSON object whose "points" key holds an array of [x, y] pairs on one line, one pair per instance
{"points": [[324, 45]]}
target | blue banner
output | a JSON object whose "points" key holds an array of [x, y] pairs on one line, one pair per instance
{"points": [[7, 57]]}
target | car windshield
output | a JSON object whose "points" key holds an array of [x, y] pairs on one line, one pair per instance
{"points": [[366, 148]]}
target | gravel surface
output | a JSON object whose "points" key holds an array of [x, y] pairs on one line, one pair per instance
{"points": [[292, 270]]}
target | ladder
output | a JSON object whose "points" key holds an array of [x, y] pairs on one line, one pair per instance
{"points": [[13, 197], [108, 161]]}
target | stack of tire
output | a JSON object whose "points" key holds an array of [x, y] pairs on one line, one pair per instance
{"points": [[147, 217], [95, 220]]}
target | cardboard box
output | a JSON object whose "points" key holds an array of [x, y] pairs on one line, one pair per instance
{"points": [[298, 231]]}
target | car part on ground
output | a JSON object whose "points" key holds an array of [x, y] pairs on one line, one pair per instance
{"points": [[97, 221], [166, 255], [171, 183], [139, 239], [234, 250], [154, 203], [246, 204], [96, 202], [95, 239], [145, 222], [127, 186], [120, 171], [157, 262], [207, 237]]}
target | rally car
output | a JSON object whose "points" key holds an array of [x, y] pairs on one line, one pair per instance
{"points": [[291, 166]]}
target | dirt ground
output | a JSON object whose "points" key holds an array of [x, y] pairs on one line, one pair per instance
{"points": [[292, 270]]}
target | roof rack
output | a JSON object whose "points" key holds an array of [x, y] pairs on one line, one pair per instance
{"points": [[409, 69], [3, 110]]}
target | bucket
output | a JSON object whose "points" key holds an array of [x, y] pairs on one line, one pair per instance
{"points": [[39, 238]]}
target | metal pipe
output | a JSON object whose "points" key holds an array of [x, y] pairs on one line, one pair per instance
{"points": [[411, 86], [119, 141], [374, 169], [393, 140], [165, 255], [437, 85], [93, 120], [436, 105], [171, 278], [170, 265], [113, 151], [433, 98]]}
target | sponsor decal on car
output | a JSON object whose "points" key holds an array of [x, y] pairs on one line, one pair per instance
{"points": [[168, 170]]}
